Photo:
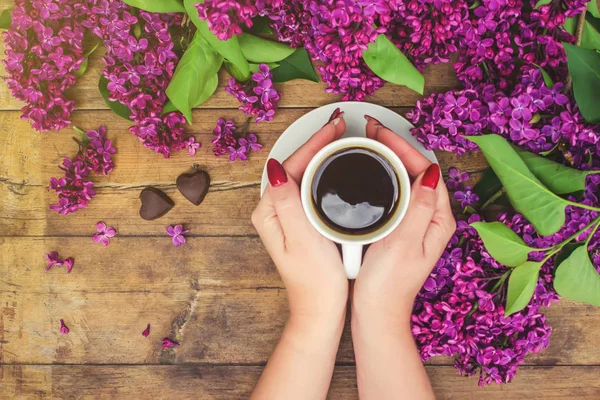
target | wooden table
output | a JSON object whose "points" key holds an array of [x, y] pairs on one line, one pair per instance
{"points": [[219, 295]]}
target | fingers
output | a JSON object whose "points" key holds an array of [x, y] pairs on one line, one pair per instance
{"points": [[422, 207], [332, 130], [442, 226], [264, 219], [413, 160], [287, 204]]}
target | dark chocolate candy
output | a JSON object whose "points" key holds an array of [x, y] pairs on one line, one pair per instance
{"points": [[194, 185], [155, 203]]}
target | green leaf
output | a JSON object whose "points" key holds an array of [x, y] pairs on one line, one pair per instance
{"points": [[260, 25], [577, 279], [188, 87], [120, 109], [565, 252], [82, 68], [168, 107], [82, 134], [84, 65], [5, 18], [542, 3], [488, 185], [259, 50], [521, 285], [389, 63], [559, 178], [503, 243], [547, 79], [590, 37], [158, 6], [584, 68], [254, 67], [230, 49], [592, 7], [526, 193], [296, 66]]}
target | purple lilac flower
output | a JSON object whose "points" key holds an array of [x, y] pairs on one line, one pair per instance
{"points": [[168, 343], [441, 124], [104, 234], [176, 232], [257, 96], [53, 260], [139, 69], [64, 329], [225, 17], [225, 141], [75, 189], [44, 49], [192, 145]]}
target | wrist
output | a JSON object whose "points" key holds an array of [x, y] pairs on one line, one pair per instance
{"points": [[381, 318]]}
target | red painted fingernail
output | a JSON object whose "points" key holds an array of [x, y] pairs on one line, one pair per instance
{"points": [[431, 177], [334, 115], [276, 173], [377, 123]]}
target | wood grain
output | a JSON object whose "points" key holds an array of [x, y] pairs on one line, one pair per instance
{"points": [[297, 93], [236, 382], [220, 297], [30, 159]]}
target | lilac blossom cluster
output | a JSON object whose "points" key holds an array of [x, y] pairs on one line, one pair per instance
{"points": [[140, 62], [500, 35], [532, 115], [459, 311], [75, 189], [225, 17], [44, 49], [257, 96], [227, 140]]}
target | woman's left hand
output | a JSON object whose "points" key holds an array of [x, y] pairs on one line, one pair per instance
{"points": [[309, 264]]}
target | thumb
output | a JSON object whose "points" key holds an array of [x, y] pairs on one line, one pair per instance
{"points": [[422, 206], [286, 198]]}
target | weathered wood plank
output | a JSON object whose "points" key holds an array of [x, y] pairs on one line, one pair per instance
{"points": [[29, 159], [297, 93], [222, 297], [236, 382]]}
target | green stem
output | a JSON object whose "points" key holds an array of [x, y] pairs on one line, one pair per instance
{"points": [[572, 203], [493, 198], [501, 281], [587, 242], [573, 236]]}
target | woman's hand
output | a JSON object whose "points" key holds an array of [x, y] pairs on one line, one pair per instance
{"points": [[388, 364], [309, 264], [395, 268]]}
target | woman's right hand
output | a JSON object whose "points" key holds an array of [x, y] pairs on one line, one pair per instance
{"points": [[395, 268]]}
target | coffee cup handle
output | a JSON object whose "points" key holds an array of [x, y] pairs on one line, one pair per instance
{"points": [[352, 256]]}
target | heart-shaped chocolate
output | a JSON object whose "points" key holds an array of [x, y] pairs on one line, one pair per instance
{"points": [[194, 185], [155, 203]]}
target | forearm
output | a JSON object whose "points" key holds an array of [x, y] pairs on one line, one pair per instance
{"points": [[302, 364], [388, 365]]}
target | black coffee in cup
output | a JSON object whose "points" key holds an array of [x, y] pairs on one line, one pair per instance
{"points": [[355, 191]]}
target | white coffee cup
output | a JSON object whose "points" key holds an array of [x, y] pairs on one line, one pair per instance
{"points": [[352, 244]]}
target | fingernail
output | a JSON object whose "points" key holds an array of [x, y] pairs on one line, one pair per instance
{"points": [[334, 115], [377, 123], [431, 177], [276, 173]]}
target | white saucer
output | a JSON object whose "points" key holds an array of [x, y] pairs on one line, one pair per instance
{"points": [[304, 127]]}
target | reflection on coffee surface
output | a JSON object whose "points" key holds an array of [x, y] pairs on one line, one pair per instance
{"points": [[355, 191]]}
